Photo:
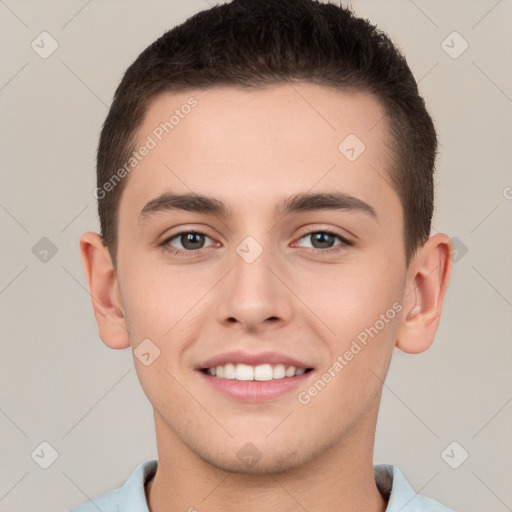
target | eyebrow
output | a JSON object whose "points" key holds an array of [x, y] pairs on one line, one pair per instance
{"points": [[169, 201]]}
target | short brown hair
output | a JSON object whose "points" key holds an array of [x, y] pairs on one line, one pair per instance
{"points": [[254, 43]]}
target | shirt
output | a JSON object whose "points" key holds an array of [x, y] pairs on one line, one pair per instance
{"points": [[131, 496]]}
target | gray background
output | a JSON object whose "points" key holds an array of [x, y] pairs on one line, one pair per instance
{"points": [[59, 384]]}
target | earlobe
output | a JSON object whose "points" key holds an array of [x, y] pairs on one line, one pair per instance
{"points": [[427, 282], [104, 291]]}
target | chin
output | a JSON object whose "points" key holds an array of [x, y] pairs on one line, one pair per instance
{"points": [[250, 460]]}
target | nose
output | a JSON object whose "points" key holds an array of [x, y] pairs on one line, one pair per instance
{"points": [[254, 295]]}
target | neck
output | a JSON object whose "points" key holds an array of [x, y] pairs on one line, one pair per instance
{"points": [[340, 479]]}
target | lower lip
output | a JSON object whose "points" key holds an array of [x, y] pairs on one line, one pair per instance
{"points": [[254, 391]]}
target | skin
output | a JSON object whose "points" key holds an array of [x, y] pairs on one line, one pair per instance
{"points": [[252, 149]]}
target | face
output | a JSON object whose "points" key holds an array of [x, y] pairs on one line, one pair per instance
{"points": [[294, 257]]}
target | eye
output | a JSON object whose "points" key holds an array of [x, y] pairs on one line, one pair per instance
{"points": [[322, 241], [189, 242]]}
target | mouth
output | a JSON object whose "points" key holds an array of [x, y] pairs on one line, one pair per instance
{"points": [[260, 373], [254, 377]]}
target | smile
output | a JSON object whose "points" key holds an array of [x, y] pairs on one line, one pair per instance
{"points": [[262, 372]]}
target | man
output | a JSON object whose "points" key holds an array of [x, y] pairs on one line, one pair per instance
{"points": [[265, 192]]}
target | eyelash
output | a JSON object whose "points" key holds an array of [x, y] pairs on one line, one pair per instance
{"points": [[178, 252]]}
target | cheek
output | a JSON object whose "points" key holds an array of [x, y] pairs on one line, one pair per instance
{"points": [[150, 303], [160, 301], [364, 315], [349, 299], [363, 310]]}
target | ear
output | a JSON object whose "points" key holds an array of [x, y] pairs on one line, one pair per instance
{"points": [[427, 281], [104, 291]]}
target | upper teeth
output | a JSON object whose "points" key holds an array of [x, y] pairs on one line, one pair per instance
{"points": [[261, 372]]}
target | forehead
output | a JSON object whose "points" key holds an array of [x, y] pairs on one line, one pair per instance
{"points": [[250, 144]]}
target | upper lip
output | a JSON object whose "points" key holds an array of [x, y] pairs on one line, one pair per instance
{"points": [[252, 359]]}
